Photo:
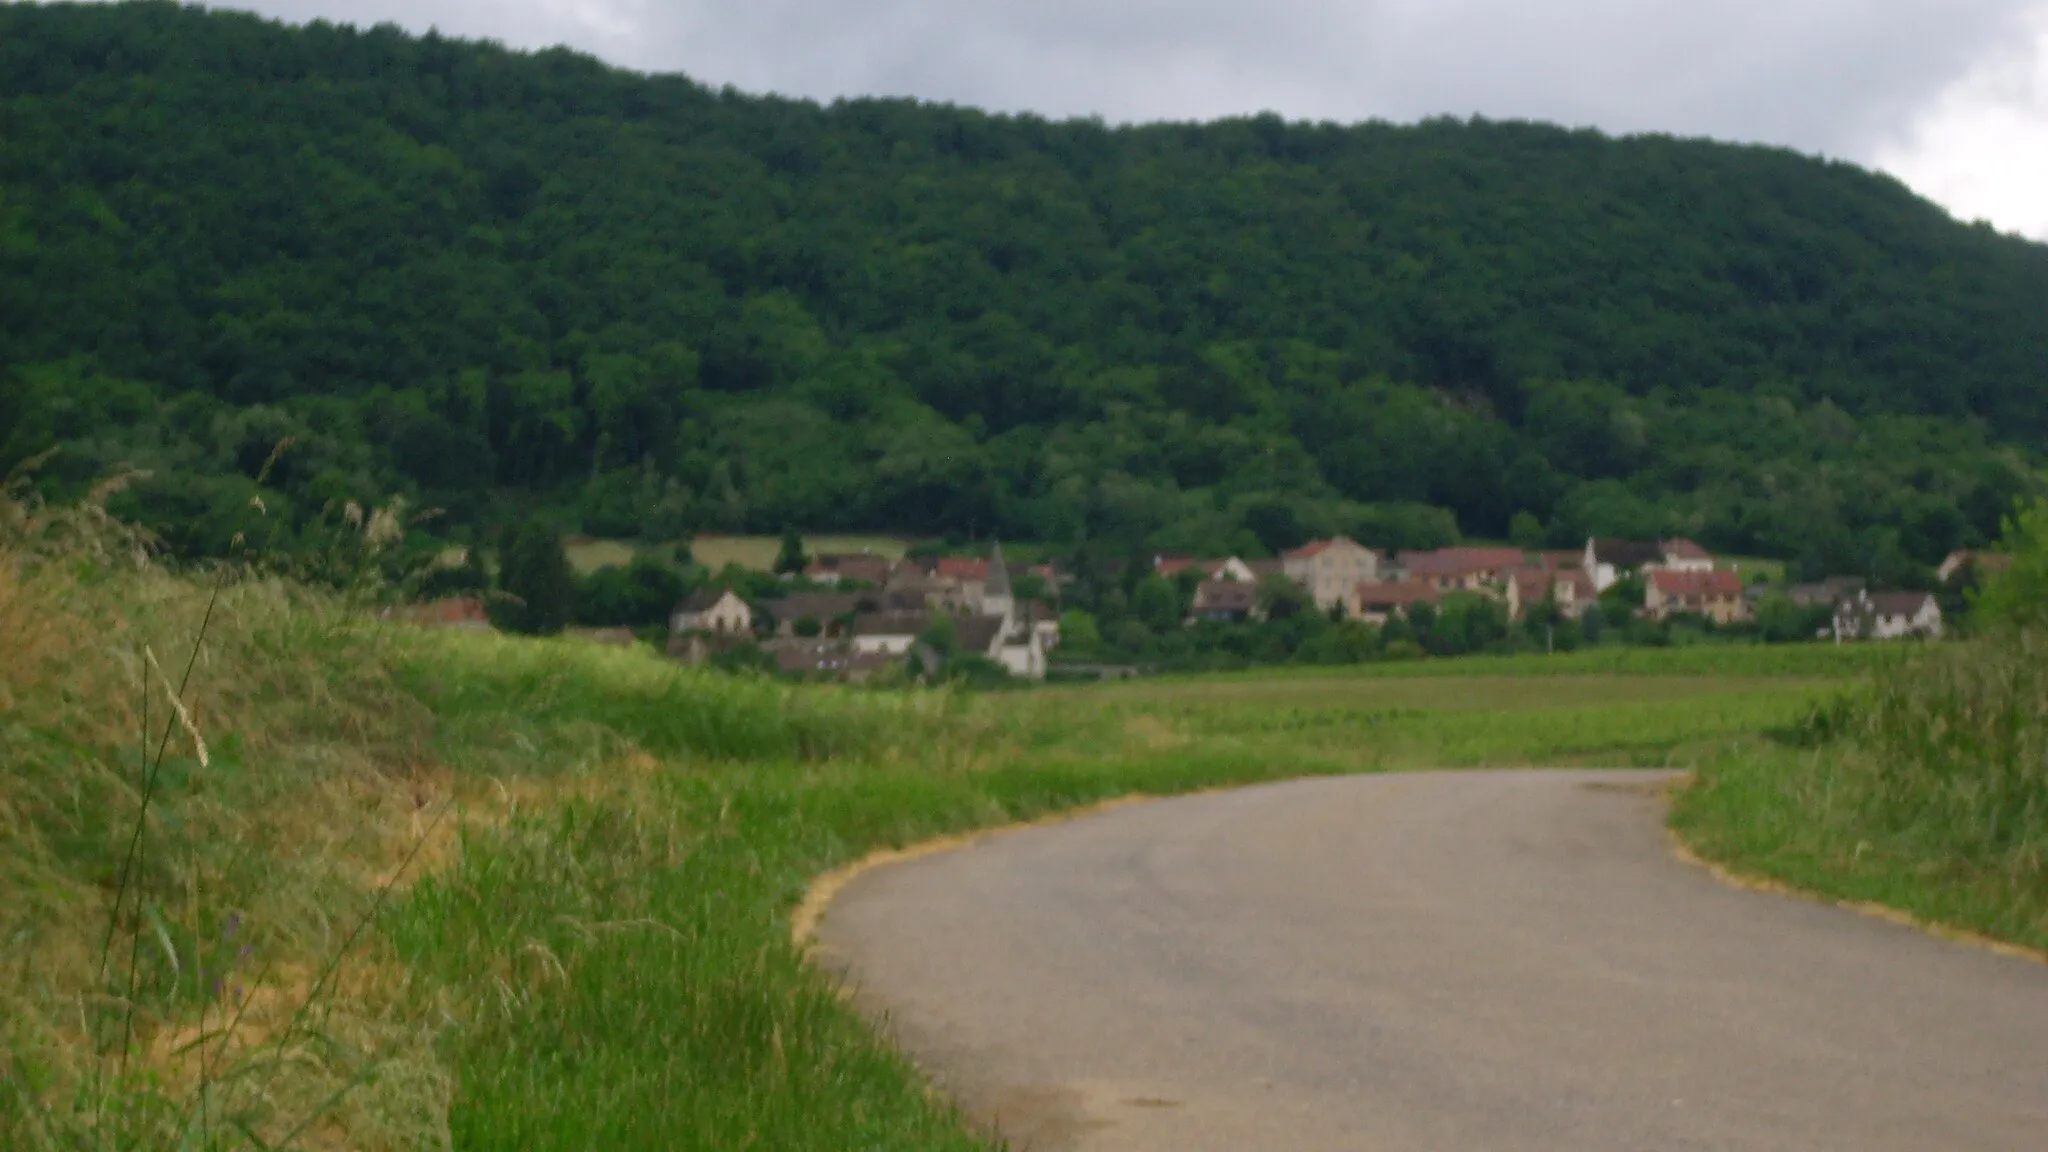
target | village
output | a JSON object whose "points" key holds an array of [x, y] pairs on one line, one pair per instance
{"points": [[879, 614]]}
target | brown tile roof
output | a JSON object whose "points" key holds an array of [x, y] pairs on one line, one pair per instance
{"points": [[1683, 549], [1308, 551], [819, 606], [1626, 553], [851, 566], [1226, 596], [1381, 595], [1897, 603], [890, 623], [976, 633], [702, 600]]}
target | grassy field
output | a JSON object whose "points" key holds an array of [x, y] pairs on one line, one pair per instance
{"points": [[715, 552], [400, 889]]}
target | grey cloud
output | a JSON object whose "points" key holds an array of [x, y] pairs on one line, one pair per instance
{"points": [[1837, 76]]}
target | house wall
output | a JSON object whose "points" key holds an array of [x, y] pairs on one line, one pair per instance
{"points": [[1332, 573], [1025, 661], [1719, 609], [730, 614], [1926, 622], [884, 645]]}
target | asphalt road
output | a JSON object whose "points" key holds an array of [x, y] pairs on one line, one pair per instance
{"points": [[1489, 961]]}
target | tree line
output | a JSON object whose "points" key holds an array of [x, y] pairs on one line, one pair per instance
{"points": [[517, 286]]}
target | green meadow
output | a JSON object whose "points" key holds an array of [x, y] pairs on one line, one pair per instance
{"points": [[354, 885]]}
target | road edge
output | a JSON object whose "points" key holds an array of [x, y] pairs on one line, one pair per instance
{"points": [[809, 913], [1771, 886]]}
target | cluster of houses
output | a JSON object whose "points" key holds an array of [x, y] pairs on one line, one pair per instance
{"points": [[1679, 578], [891, 611], [1343, 576], [880, 612]]}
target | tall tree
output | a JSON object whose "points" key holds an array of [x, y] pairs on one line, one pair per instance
{"points": [[538, 584], [790, 559]]}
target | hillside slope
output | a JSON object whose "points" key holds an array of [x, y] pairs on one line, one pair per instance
{"points": [[456, 270]]}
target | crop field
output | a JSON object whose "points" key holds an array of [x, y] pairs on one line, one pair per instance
{"points": [[409, 889], [1372, 721]]}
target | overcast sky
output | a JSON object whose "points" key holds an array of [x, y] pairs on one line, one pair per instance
{"points": [[1949, 95]]}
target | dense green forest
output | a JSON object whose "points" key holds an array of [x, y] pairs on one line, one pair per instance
{"points": [[510, 284]]}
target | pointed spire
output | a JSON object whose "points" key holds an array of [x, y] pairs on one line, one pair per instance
{"points": [[998, 582]]}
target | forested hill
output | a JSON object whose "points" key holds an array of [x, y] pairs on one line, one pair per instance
{"points": [[498, 280]]}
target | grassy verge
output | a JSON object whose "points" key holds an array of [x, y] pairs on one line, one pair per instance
{"points": [[1926, 792], [441, 890]]}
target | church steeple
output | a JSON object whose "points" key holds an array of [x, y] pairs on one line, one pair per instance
{"points": [[997, 598]]}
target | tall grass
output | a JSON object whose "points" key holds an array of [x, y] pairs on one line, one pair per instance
{"points": [[1960, 743], [1926, 789], [196, 796]]}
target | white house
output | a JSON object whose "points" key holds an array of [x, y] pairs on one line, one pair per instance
{"points": [[1608, 561], [1888, 616], [715, 610], [1227, 568], [1682, 555]]}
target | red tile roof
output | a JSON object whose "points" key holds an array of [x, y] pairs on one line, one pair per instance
{"points": [[1580, 583], [1461, 561], [963, 568], [1308, 551], [1536, 583], [1671, 583]]}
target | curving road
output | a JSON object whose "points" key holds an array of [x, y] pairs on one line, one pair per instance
{"points": [[1489, 961]]}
